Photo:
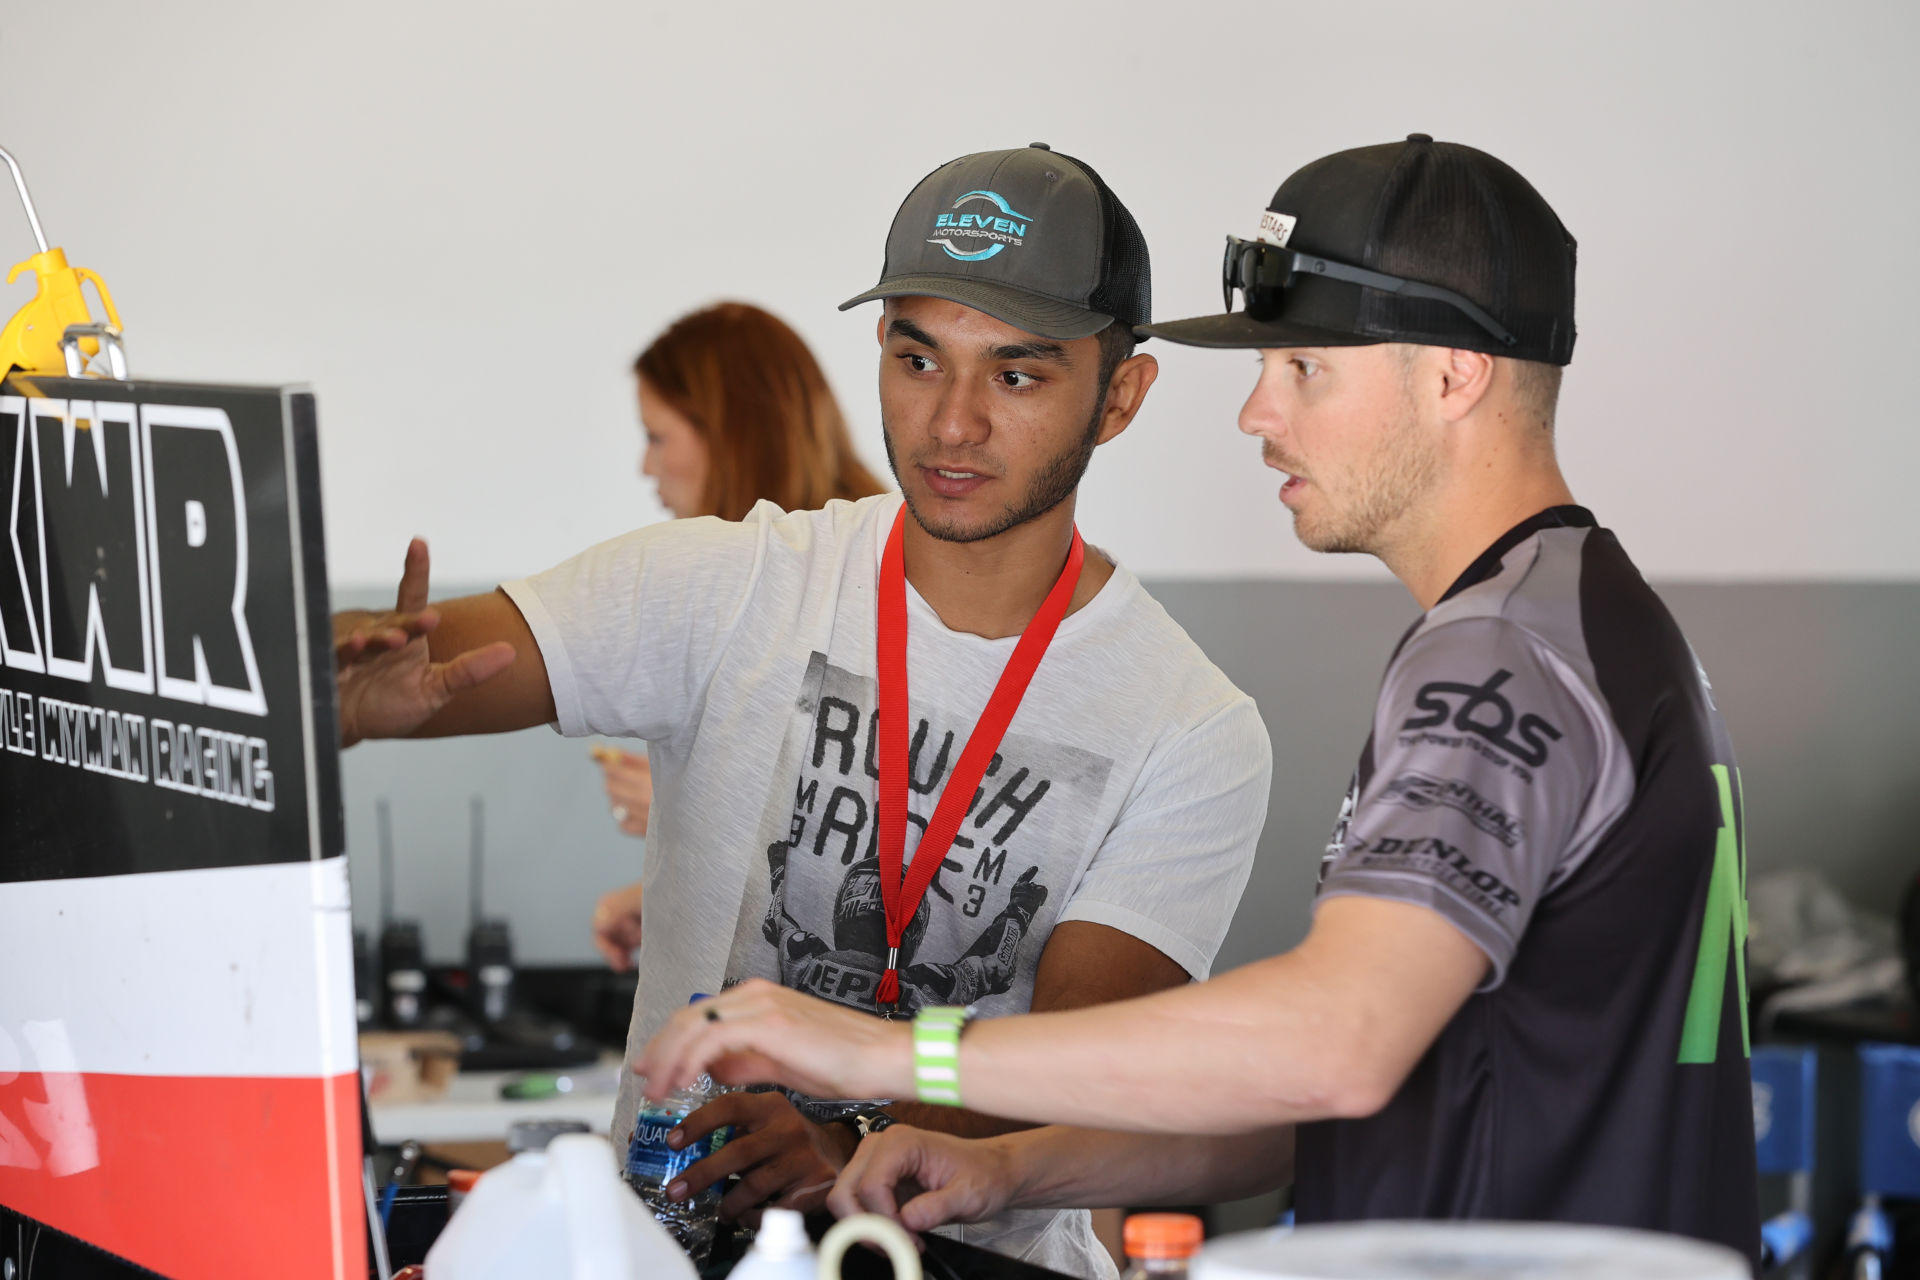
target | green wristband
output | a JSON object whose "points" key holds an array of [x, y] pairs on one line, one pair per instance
{"points": [[936, 1053]]}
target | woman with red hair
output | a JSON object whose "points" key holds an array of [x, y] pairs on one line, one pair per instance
{"points": [[735, 410]]}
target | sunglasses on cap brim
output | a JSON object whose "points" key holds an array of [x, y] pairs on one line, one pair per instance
{"points": [[1263, 273]]}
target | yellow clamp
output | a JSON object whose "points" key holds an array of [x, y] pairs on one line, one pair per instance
{"points": [[31, 340]]}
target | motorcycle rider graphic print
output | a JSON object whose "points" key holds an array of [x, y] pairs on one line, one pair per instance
{"points": [[847, 971]]}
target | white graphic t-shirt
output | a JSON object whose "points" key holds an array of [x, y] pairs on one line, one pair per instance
{"points": [[1128, 791]]}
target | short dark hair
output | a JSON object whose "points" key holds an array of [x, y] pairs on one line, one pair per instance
{"points": [[1116, 344]]}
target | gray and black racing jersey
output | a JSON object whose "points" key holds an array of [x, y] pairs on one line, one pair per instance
{"points": [[1548, 771]]}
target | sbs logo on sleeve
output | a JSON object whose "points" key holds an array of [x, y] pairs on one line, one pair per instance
{"points": [[993, 231], [1500, 724]]}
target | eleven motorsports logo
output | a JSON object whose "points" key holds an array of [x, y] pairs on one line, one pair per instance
{"points": [[1008, 227]]}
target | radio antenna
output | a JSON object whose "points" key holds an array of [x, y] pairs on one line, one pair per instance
{"points": [[476, 854], [385, 817]]}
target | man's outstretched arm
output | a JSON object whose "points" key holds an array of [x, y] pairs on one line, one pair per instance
{"points": [[786, 1160], [1329, 1029], [926, 1180], [463, 666], [1083, 965]]}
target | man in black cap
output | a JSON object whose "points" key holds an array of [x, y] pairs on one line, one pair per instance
{"points": [[905, 753], [1523, 996]]}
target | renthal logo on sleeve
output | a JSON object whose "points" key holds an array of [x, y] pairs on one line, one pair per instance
{"points": [[1424, 791], [1498, 723], [1444, 861]]}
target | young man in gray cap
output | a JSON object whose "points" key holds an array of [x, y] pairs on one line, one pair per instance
{"points": [[906, 753], [1523, 995]]}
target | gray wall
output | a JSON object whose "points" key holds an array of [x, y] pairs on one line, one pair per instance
{"points": [[1815, 680]]}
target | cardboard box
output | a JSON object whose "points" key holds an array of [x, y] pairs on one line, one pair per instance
{"points": [[408, 1066]]}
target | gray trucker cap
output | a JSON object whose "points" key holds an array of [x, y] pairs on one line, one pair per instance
{"points": [[1031, 237]]}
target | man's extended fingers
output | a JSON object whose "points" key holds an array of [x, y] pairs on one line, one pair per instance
{"points": [[782, 1181], [874, 1194], [658, 1067], [724, 1037], [936, 1208], [363, 647], [914, 1178], [738, 1154], [475, 666], [842, 1200], [384, 636], [866, 1184], [728, 1108], [687, 1038], [377, 636], [413, 579]]}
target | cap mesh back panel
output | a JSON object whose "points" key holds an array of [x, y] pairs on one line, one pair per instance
{"points": [[1125, 290], [1458, 218]]}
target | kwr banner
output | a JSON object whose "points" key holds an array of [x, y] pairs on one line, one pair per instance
{"points": [[177, 1052]]}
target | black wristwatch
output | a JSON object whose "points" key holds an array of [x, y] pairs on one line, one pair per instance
{"points": [[865, 1123]]}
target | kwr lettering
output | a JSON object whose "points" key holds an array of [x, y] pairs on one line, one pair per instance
{"points": [[127, 549], [1531, 746]]}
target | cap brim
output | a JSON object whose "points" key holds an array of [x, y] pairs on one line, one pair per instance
{"points": [[1047, 317], [1236, 330]]}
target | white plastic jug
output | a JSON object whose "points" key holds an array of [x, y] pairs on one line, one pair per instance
{"points": [[561, 1213], [1464, 1251], [781, 1250]]}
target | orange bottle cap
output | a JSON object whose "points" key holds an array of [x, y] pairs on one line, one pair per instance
{"points": [[462, 1180], [1163, 1235]]}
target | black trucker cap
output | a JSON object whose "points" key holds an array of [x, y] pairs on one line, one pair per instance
{"points": [[1031, 237], [1419, 218]]}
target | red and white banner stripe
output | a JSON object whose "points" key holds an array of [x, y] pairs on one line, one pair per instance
{"points": [[177, 1068]]}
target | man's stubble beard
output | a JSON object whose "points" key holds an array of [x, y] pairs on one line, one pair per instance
{"points": [[1053, 485], [1400, 472]]}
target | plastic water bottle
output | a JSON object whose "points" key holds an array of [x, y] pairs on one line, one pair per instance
{"points": [[652, 1165], [1160, 1246]]}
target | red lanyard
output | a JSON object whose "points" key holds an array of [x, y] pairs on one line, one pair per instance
{"points": [[902, 894]]}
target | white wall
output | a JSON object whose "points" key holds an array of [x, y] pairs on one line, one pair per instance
{"points": [[459, 221]]}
